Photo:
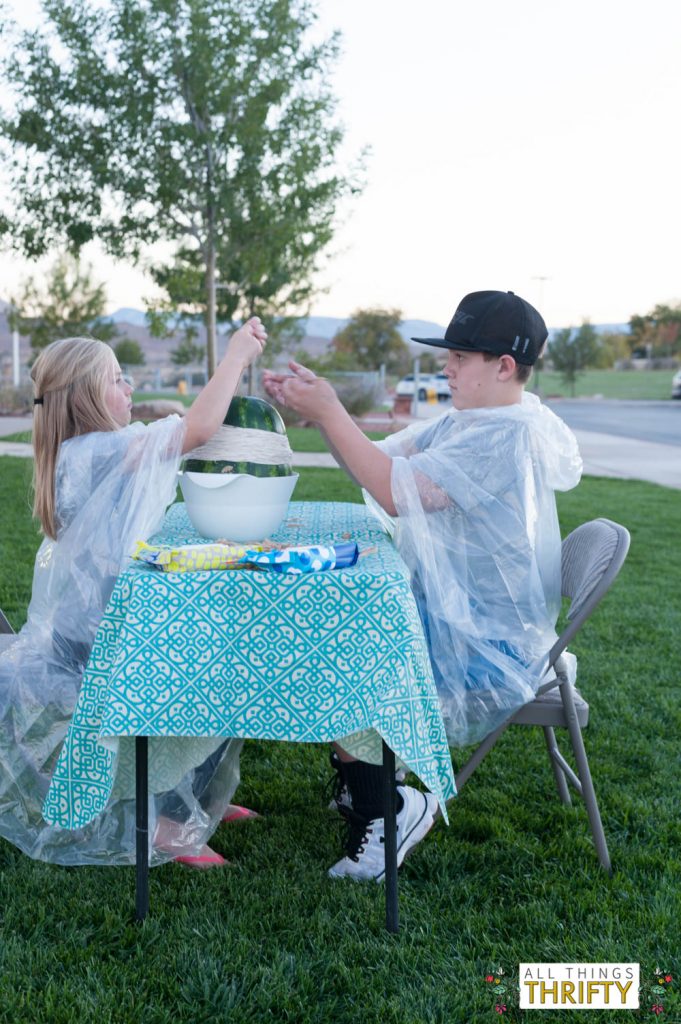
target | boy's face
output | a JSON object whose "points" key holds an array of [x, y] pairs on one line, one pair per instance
{"points": [[473, 381]]}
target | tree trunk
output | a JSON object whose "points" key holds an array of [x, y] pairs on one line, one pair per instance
{"points": [[211, 324], [211, 315], [250, 373]]}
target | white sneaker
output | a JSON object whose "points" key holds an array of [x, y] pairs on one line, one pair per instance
{"points": [[365, 846]]}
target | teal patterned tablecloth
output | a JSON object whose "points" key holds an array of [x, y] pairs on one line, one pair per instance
{"points": [[211, 654]]}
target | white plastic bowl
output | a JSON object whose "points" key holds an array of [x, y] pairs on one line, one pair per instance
{"points": [[236, 507]]}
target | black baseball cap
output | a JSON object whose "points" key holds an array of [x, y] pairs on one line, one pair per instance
{"points": [[498, 322]]}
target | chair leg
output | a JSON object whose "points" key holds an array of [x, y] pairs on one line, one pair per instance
{"points": [[476, 758], [561, 784], [588, 791]]}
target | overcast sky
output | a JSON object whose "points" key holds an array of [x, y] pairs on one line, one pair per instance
{"points": [[510, 142]]}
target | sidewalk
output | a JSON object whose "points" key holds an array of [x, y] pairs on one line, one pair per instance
{"points": [[604, 455]]}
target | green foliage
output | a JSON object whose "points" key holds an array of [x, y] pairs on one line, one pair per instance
{"points": [[657, 333], [513, 878], [358, 395], [204, 123], [186, 353], [612, 348], [65, 303], [370, 339], [572, 352], [429, 362], [129, 353], [16, 401]]}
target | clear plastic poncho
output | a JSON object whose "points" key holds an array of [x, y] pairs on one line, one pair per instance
{"points": [[478, 529], [111, 490]]}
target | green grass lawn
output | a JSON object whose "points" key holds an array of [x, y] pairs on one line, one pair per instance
{"points": [[514, 878], [638, 384]]}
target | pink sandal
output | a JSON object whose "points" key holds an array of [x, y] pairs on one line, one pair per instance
{"points": [[203, 861], [236, 813]]}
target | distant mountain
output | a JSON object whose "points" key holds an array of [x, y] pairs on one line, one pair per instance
{"points": [[126, 315]]}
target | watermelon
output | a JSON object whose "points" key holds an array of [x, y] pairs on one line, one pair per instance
{"points": [[252, 468], [253, 414]]}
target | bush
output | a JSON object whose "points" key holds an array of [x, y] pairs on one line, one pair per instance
{"points": [[358, 395], [16, 401], [358, 392]]}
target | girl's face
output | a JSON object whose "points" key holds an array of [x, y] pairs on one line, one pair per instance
{"points": [[117, 396]]}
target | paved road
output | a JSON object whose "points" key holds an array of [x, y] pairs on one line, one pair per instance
{"points": [[659, 422]]}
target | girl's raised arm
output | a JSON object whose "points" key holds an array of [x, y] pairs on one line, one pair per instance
{"points": [[210, 406]]}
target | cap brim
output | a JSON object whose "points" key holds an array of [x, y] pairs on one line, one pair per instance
{"points": [[443, 343], [438, 342]]}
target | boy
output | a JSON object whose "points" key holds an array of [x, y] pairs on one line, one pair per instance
{"points": [[473, 491]]}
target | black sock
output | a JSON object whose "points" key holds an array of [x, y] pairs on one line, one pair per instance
{"points": [[365, 783]]}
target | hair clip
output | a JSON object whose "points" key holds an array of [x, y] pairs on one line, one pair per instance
{"points": [[37, 401]]}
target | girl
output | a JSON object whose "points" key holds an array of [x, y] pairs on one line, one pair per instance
{"points": [[100, 485]]}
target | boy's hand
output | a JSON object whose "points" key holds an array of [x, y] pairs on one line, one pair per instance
{"points": [[308, 395], [247, 343]]}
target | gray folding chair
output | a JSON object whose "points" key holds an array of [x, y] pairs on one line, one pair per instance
{"points": [[591, 557]]}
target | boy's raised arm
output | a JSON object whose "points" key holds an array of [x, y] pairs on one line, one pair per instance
{"points": [[314, 398]]}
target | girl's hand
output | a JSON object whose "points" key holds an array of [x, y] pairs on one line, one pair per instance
{"points": [[310, 396], [247, 343]]}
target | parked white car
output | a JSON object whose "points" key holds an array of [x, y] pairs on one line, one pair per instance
{"points": [[676, 385], [431, 386], [442, 387]]}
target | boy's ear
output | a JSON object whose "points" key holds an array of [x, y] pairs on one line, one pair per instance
{"points": [[507, 365]]}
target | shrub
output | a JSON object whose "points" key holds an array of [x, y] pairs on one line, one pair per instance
{"points": [[358, 395], [16, 401]]}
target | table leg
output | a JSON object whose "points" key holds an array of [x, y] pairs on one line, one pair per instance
{"points": [[390, 827], [142, 829]]}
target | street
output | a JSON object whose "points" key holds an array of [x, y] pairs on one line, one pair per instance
{"points": [[659, 422]]}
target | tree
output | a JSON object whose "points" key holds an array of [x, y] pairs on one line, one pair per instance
{"points": [[612, 348], [429, 362], [187, 352], [205, 123], [656, 333], [369, 339], [129, 353], [571, 352], [64, 303]]}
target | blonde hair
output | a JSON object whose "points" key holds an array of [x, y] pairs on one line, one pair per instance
{"points": [[70, 377]]}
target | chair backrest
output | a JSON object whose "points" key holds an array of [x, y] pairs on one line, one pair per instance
{"points": [[591, 557]]}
